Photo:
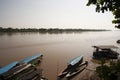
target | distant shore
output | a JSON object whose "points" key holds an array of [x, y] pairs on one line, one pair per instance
{"points": [[44, 30]]}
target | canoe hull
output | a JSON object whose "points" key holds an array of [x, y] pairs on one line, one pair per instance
{"points": [[73, 68], [77, 70]]}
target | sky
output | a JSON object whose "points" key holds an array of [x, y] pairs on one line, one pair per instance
{"points": [[52, 14]]}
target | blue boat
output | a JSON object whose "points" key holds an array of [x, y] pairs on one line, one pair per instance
{"points": [[76, 70], [17, 70], [8, 67], [75, 61], [73, 67], [32, 59]]}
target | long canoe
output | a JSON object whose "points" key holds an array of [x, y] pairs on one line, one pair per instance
{"points": [[35, 74], [71, 64], [19, 68], [8, 67], [77, 70], [32, 58], [16, 71]]}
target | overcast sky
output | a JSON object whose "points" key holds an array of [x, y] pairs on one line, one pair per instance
{"points": [[52, 14]]}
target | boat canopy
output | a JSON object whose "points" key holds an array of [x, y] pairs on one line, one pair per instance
{"points": [[75, 60], [8, 67], [105, 46], [29, 59]]}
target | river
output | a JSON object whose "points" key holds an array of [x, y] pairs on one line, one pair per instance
{"points": [[57, 49]]}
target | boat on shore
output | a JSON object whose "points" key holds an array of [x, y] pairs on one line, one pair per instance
{"points": [[105, 51], [8, 67], [76, 70], [18, 70], [74, 67], [35, 75]]}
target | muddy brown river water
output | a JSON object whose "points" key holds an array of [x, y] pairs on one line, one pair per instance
{"points": [[57, 49]]}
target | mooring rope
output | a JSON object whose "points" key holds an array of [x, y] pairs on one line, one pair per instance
{"points": [[90, 69]]}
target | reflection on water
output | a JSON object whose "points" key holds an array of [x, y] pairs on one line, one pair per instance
{"points": [[57, 49]]}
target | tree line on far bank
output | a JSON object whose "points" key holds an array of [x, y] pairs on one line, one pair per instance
{"points": [[44, 30]]}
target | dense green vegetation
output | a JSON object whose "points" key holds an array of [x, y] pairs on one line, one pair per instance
{"points": [[43, 30], [109, 72], [108, 5]]}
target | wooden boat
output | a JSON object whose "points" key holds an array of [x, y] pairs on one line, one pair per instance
{"points": [[33, 75], [16, 69], [72, 68], [105, 51], [16, 72], [35, 59], [8, 67], [76, 70]]}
